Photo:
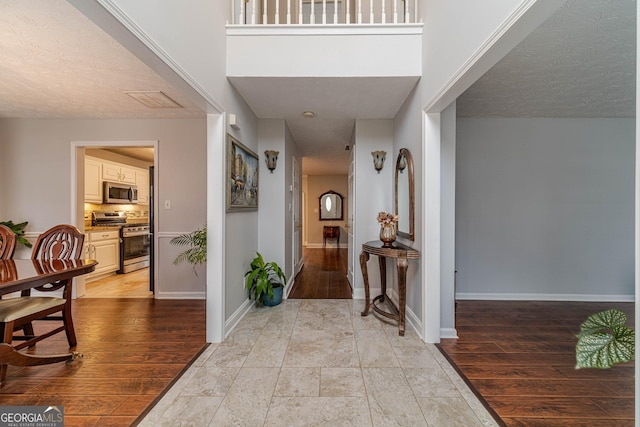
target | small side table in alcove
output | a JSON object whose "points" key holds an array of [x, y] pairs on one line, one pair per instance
{"points": [[330, 232]]}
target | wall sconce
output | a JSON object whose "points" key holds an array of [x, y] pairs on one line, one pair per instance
{"points": [[378, 159], [271, 159]]}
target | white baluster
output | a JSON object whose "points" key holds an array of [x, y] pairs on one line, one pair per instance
{"points": [[300, 17], [407, 12], [277, 16], [312, 17], [264, 13], [347, 17], [324, 12], [415, 11], [384, 14], [253, 12], [370, 11], [395, 11], [335, 11], [233, 11], [359, 11], [288, 12]]}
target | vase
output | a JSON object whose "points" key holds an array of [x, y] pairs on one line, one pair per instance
{"points": [[277, 297], [387, 235]]}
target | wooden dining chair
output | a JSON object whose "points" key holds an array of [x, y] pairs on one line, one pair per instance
{"points": [[59, 242], [7, 242]]}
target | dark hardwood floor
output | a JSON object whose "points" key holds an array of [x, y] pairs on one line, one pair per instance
{"points": [[324, 275], [134, 349], [519, 357]]}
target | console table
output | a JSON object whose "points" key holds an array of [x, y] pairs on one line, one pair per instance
{"points": [[401, 254], [330, 232]]}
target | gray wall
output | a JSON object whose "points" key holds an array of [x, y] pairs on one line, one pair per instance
{"points": [[35, 178], [544, 208]]}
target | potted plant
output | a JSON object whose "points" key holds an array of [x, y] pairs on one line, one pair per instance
{"points": [[265, 281], [604, 340], [197, 251], [18, 229]]}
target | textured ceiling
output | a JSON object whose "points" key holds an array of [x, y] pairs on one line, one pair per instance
{"points": [[580, 63], [55, 63]]}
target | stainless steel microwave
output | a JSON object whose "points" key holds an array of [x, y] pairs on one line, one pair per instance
{"points": [[117, 192]]}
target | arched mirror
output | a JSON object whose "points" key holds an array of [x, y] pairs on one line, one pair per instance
{"points": [[330, 206], [405, 195]]}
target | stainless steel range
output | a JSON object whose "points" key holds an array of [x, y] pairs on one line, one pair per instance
{"points": [[135, 240], [135, 247]]}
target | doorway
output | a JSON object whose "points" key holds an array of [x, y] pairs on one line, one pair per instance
{"points": [[127, 164]]}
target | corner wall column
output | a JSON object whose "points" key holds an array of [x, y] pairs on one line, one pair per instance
{"points": [[431, 210]]}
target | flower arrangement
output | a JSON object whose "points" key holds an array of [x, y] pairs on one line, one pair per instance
{"points": [[386, 219]]}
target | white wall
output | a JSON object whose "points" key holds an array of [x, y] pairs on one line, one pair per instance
{"points": [[545, 208], [408, 134], [374, 193], [271, 222], [36, 177], [194, 24]]}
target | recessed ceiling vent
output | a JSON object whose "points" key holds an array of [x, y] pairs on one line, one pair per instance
{"points": [[153, 98]]}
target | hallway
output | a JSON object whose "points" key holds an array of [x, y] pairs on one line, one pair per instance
{"points": [[324, 275]]}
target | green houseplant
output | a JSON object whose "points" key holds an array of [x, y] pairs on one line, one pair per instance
{"points": [[265, 281], [18, 229], [197, 252], [604, 340]]}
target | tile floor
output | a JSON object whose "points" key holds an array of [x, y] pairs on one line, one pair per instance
{"points": [[319, 363]]}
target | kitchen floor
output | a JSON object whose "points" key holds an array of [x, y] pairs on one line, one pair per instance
{"points": [[319, 363], [130, 285]]}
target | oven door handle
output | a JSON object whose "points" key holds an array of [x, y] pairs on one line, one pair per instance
{"points": [[136, 234]]}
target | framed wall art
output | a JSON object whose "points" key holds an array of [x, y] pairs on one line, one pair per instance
{"points": [[242, 177]]}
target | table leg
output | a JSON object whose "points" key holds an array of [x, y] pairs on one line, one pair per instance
{"points": [[402, 291], [364, 257], [10, 356], [382, 261]]}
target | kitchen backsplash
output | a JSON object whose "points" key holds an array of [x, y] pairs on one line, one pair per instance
{"points": [[133, 212]]}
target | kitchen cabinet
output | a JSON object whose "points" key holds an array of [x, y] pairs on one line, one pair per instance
{"points": [[142, 182], [118, 173], [92, 180], [103, 246]]}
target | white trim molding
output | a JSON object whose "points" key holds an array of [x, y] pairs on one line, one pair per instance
{"points": [[233, 320], [181, 295], [545, 297]]}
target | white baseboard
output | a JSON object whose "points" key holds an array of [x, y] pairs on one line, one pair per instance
{"points": [[546, 297], [448, 333], [288, 287], [237, 316], [358, 293], [413, 321], [181, 295]]}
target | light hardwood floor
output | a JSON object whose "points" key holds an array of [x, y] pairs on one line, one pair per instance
{"points": [[131, 285]]}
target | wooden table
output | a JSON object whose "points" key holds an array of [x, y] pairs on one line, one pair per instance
{"points": [[20, 274], [330, 232], [401, 254]]}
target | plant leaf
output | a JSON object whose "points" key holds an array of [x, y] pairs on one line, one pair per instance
{"points": [[603, 320], [604, 340]]}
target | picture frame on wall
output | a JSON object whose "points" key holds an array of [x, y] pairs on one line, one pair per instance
{"points": [[242, 177]]}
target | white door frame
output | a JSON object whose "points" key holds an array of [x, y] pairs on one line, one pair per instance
{"points": [[77, 190]]}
